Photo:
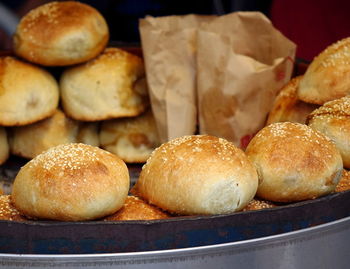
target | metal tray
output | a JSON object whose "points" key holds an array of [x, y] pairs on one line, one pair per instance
{"points": [[51, 237]]}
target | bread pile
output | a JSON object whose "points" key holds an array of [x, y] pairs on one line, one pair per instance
{"points": [[320, 98], [300, 155], [63, 82]]}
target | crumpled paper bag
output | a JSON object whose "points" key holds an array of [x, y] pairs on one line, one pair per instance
{"points": [[169, 50], [219, 72], [242, 63]]}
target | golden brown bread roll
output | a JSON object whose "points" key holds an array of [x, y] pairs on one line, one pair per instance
{"points": [[132, 139], [28, 93], [344, 183], [110, 86], [333, 120], [288, 107], [294, 162], [137, 209], [61, 33], [31, 140], [197, 174], [4, 146], [71, 182], [258, 204], [8, 211], [328, 76]]}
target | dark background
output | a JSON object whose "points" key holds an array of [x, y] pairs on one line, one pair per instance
{"points": [[311, 24]]}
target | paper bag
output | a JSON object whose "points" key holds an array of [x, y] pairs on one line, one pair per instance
{"points": [[242, 63], [169, 51]]}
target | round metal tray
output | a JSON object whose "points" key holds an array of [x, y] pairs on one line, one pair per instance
{"points": [[51, 237], [323, 246]]}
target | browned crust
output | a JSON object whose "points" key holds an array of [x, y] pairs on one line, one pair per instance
{"points": [[137, 209]]}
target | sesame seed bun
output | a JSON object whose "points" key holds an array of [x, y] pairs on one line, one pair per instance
{"points": [[344, 183], [198, 174], [71, 182], [28, 93], [294, 162], [110, 86], [333, 120], [137, 209], [327, 77], [61, 33], [258, 204], [8, 211], [288, 107]]}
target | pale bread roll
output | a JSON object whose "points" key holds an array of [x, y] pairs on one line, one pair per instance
{"points": [[71, 182], [4, 146], [132, 139], [137, 209], [333, 120], [197, 174], [8, 211], [328, 76], [88, 133], [31, 140], [110, 86], [294, 162], [28, 93], [288, 107], [61, 33]]}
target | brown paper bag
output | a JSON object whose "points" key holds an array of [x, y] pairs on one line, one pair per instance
{"points": [[169, 50], [242, 63]]}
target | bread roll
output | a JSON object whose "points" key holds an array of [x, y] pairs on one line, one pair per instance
{"points": [[137, 209], [294, 162], [328, 76], [61, 33], [28, 93], [110, 86], [132, 139], [71, 182], [8, 211], [333, 120], [197, 174], [257, 204], [31, 140], [287, 106], [4, 146], [344, 183], [88, 133]]}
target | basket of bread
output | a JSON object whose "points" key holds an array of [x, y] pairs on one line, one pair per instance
{"points": [[78, 116]]}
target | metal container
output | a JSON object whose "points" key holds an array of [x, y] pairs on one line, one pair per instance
{"points": [[323, 246], [52, 237]]}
